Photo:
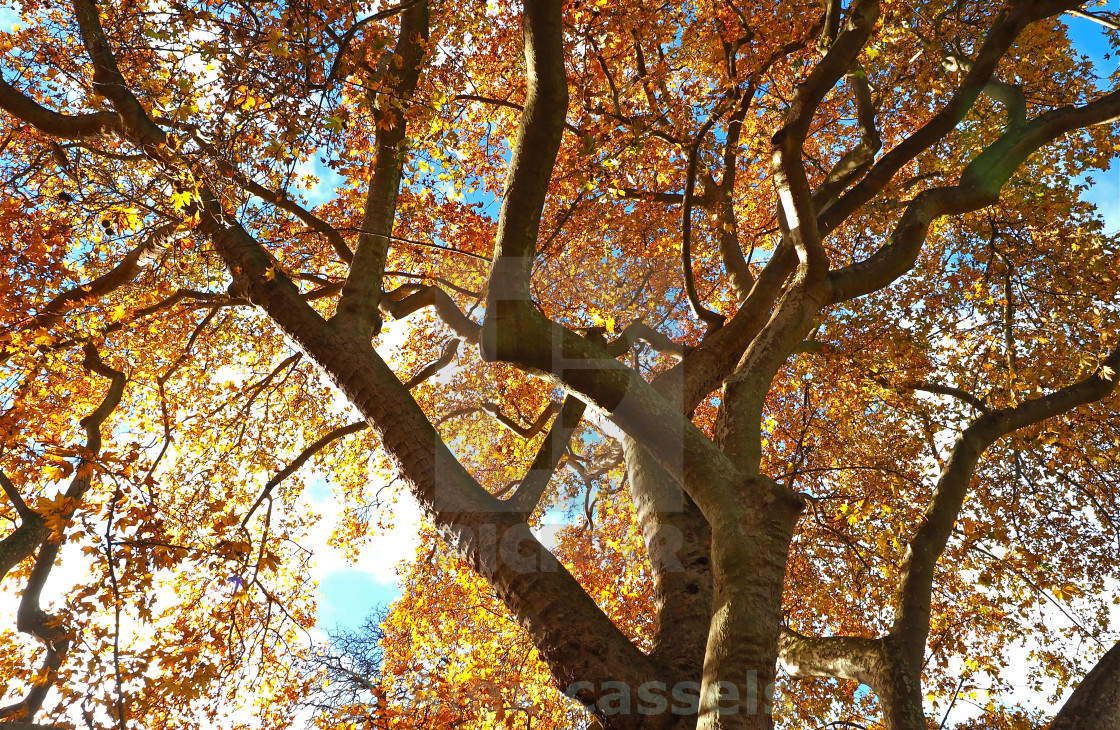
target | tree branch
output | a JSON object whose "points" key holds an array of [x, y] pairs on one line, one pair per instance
{"points": [[858, 159], [25, 513], [357, 306], [124, 272], [529, 492], [30, 618], [959, 393], [525, 432], [63, 126], [348, 36], [1095, 704], [409, 298], [514, 105], [738, 273], [1096, 18], [444, 359], [639, 330], [712, 319], [980, 185], [794, 195], [842, 657], [22, 543], [531, 162], [275, 197], [1004, 31], [109, 82], [302, 459], [912, 602], [549, 602]]}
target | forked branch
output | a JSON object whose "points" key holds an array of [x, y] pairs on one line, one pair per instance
{"points": [[358, 305], [912, 605], [30, 618], [529, 492]]}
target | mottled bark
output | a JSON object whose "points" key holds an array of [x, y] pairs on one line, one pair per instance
{"points": [[678, 541], [22, 543], [842, 657], [750, 546], [898, 685]]}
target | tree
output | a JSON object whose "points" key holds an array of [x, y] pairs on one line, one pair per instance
{"points": [[801, 303]]}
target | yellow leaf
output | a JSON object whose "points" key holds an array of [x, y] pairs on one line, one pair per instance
{"points": [[58, 472], [181, 199]]}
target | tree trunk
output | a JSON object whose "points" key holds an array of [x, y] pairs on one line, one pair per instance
{"points": [[749, 553], [1095, 704]]}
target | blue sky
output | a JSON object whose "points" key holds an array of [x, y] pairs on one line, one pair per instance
{"points": [[1090, 38]]}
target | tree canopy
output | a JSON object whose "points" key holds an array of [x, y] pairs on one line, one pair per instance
{"points": [[793, 314]]}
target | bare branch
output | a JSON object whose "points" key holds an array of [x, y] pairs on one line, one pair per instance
{"points": [[712, 319], [525, 432], [410, 298], [640, 331], [534, 154], [444, 359], [1096, 18], [438, 279], [959, 393], [303, 458], [88, 126], [529, 492]]}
